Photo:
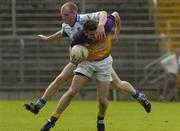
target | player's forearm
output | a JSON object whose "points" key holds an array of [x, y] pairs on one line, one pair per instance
{"points": [[55, 36], [102, 18]]}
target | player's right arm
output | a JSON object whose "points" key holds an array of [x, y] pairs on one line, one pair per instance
{"points": [[53, 37]]}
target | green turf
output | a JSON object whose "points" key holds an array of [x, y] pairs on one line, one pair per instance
{"points": [[81, 116]]}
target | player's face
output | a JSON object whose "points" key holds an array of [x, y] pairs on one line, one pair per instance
{"points": [[68, 16], [91, 35]]}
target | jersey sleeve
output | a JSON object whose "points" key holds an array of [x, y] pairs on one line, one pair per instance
{"points": [[109, 23], [84, 17], [62, 31]]}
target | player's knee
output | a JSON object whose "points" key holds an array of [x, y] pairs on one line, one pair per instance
{"points": [[103, 102], [72, 92]]}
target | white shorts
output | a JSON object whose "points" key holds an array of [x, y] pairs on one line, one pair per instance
{"points": [[100, 70]]}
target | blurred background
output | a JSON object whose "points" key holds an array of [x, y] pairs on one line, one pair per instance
{"points": [[149, 30]]}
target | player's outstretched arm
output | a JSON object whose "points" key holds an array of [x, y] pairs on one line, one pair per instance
{"points": [[53, 37]]}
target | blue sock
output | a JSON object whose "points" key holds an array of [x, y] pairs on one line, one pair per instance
{"points": [[40, 103], [136, 96]]}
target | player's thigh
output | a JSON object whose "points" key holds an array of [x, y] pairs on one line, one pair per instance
{"points": [[67, 72], [77, 82]]}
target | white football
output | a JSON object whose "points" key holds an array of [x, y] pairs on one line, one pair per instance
{"points": [[79, 51]]}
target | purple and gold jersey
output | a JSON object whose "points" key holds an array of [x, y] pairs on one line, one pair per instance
{"points": [[100, 49]]}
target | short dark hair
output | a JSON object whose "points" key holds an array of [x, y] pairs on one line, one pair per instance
{"points": [[90, 25]]}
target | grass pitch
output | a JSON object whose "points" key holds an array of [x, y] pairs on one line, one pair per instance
{"points": [[81, 116]]}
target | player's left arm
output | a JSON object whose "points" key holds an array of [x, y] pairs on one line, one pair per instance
{"points": [[117, 25], [102, 16]]}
